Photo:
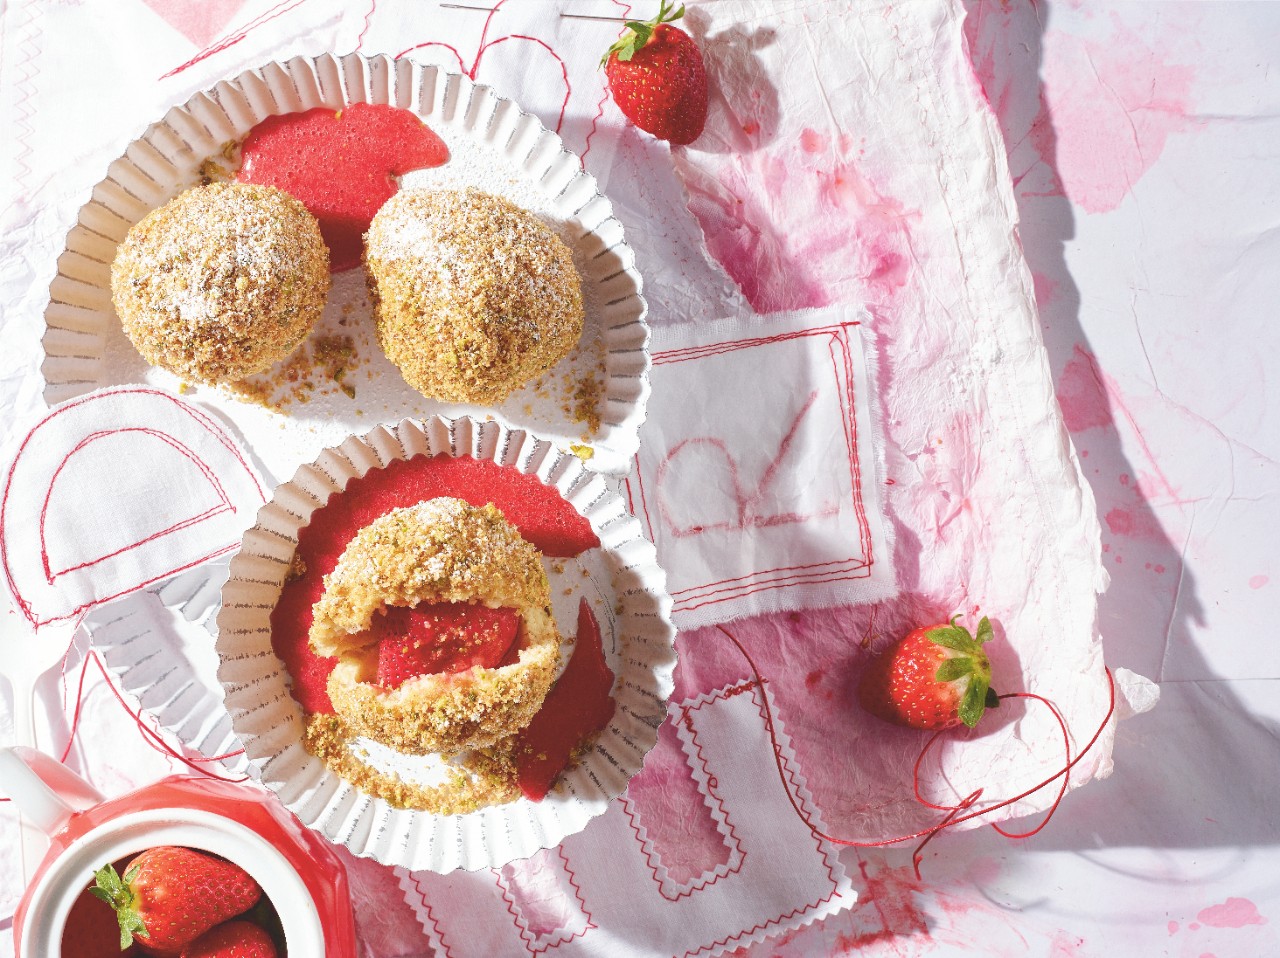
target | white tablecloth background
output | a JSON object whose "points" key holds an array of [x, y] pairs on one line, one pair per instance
{"points": [[1142, 140]]}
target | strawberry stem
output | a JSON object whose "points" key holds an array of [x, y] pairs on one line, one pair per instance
{"points": [[639, 32], [116, 892]]}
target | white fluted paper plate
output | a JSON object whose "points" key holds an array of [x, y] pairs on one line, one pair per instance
{"points": [[494, 145], [621, 579]]}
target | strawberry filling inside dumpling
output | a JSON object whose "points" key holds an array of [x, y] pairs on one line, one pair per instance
{"points": [[441, 637]]}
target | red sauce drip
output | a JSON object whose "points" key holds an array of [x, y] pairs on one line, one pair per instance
{"points": [[341, 165], [441, 637], [536, 510], [578, 705]]}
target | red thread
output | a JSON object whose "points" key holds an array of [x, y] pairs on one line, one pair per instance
{"points": [[595, 120], [232, 39], [953, 816], [150, 736]]}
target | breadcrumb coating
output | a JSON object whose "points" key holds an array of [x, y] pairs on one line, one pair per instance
{"points": [[480, 778], [221, 282], [473, 296], [441, 550]]}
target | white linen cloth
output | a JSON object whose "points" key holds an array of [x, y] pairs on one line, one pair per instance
{"points": [[849, 158], [760, 468]]}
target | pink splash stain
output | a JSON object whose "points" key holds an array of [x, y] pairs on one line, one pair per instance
{"points": [[801, 224], [1173, 928], [1134, 523], [1232, 913], [1046, 288], [1065, 945], [200, 21], [1113, 104], [983, 871], [1258, 581], [1082, 393]]}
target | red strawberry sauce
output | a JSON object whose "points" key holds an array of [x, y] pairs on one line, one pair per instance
{"points": [[537, 510], [340, 164], [580, 703]]}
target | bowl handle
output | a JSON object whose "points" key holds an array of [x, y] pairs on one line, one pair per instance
{"points": [[45, 791]]}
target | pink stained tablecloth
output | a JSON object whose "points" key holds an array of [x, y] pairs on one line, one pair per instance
{"points": [[1070, 152]]}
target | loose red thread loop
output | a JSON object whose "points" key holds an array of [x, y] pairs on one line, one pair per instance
{"points": [[955, 813], [150, 736]]}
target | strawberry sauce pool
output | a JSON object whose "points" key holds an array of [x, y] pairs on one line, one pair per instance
{"points": [[341, 165]]}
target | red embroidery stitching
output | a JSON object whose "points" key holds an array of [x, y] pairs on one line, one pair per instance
{"points": [[232, 39], [733, 691], [626, 12], [788, 568], [224, 505], [748, 516], [422, 896], [649, 848], [842, 360], [522, 926], [201, 419]]}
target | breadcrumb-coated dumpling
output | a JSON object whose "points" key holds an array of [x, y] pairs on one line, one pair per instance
{"points": [[221, 282], [474, 297], [440, 550]]}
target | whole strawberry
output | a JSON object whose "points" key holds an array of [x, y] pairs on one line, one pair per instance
{"points": [[235, 939], [935, 677], [657, 78], [170, 896]]}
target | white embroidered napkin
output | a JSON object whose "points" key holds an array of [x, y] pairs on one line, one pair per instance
{"points": [[628, 886], [760, 467], [115, 491]]}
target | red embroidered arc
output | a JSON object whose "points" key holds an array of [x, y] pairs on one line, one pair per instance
{"points": [[24, 606], [224, 503], [486, 44]]}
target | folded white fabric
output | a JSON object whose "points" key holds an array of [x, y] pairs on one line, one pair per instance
{"points": [[760, 466], [114, 491]]}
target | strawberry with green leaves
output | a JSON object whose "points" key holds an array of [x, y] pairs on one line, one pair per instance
{"points": [[935, 677], [170, 896], [657, 77]]}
